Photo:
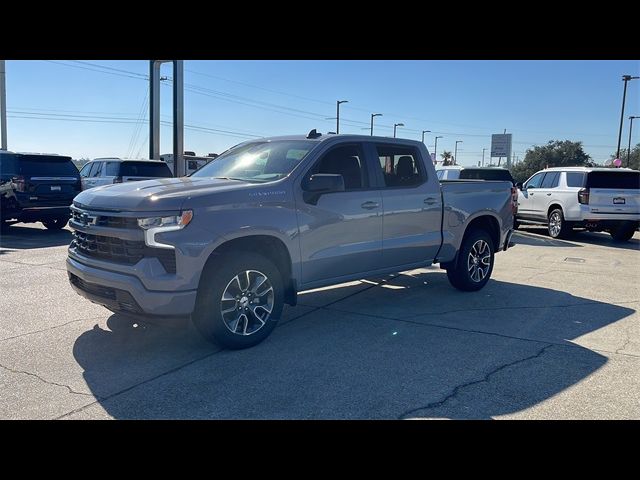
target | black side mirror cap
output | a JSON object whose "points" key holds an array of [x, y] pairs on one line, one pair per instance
{"points": [[321, 183]]}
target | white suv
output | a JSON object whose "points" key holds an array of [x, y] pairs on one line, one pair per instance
{"points": [[105, 171], [598, 199]]}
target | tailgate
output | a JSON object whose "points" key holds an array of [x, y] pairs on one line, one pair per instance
{"points": [[608, 200], [52, 186], [614, 191]]}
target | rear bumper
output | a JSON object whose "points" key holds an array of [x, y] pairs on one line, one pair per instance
{"points": [[605, 224], [31, 214], [125, 293]]}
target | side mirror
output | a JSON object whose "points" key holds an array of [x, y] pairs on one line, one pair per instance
{"points": [[519, 185], [325, 183], [321, 183]]}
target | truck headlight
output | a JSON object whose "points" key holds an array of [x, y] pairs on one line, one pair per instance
{"points": [[154, 225], [181, 221]]}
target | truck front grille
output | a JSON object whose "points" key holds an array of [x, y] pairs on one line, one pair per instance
{"points": [[117, 250], [107, 220]]}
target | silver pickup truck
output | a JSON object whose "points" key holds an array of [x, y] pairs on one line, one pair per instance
{"points": [[233, 242]]}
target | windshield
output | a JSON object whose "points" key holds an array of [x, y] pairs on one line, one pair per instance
{"points": [[258, 161]]}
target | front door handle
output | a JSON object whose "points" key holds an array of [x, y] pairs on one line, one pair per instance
{"points": [[430, 200], [548, 194], [531, 193], [370, 205]]}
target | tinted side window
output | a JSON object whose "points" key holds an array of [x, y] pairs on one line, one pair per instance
{"points": [[575, 179], [348, 161], [400, 165], [550, 180], [112, 169], [535, 181], [95, 166]]}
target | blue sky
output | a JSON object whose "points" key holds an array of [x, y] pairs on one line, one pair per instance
{"points": [[100, 108]]}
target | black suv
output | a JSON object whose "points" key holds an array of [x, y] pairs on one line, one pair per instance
{"points": [[37, 187]]}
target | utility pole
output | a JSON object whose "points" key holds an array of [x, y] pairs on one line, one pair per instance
{"points": [[629, 147], [483, 156], [625, 79], [3, 107], [373, 115], [455, 155], [435, 148]]}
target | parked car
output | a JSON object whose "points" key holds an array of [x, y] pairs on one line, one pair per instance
{"points": [[105, 171], [455, 172], [230, 244], [37, 188], [597, 199]]}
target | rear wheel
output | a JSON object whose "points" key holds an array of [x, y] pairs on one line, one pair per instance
{"points": [[557, 226], [239, 300], [55, 223], [473, 268], [622, 234]]}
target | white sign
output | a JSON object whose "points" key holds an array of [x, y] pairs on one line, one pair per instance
{"points": [[501, 145]]}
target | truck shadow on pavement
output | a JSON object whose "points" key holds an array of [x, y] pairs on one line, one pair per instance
{"points": [[23, 237], [409, 346]]}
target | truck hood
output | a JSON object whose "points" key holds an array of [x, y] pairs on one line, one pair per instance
{"points": [[154, 195]]}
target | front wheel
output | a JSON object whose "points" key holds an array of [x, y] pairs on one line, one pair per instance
{"points": [[55, 223], [473, 268], [240, 300]]}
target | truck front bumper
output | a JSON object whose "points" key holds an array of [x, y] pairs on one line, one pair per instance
{"points": [[124, 293]]}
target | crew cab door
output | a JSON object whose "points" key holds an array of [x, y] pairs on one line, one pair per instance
{"points": [[527, 196], [412, 205], [340, 232]]}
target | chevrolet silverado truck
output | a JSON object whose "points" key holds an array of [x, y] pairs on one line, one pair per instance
{"points": [[233, 242]]}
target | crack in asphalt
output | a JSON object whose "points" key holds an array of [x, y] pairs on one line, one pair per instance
{"points": [[627, 333], [48, 328], [454, 393], [71, 390]]}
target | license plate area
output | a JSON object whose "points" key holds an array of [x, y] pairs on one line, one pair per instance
{"points": [[57, 188], [619, 201]]}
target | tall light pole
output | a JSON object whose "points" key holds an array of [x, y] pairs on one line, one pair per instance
{"points": [[338, 114], [372, 116], [3, 108], [423, 132], [625, 79], [483, 156], [629, 147], [435, 148], [395, 126], [455, 155]]}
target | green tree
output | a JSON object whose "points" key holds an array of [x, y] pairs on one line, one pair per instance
{"points": [[447, 158], [556, 153], [634, 158]]}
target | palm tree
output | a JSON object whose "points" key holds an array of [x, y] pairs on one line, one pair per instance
{"points": [[446, 158]]}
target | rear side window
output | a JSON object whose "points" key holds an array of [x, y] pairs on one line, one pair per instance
{"points": [[144, 169], [44, 166], [550, 180], [620, 180], [400, 165], [486, 174], [575, 179], [112, 169]]}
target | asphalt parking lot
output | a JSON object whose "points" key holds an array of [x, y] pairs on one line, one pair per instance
{"points": [[554, 335]]}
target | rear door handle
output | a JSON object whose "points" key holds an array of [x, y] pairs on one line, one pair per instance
{"points": [[548, 194], [370, 205], [430, 200]]}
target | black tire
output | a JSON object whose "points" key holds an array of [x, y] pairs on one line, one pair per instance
{"points": [[622, 234], [462, 275], [55, 223], [556, 225], [216, 279]]}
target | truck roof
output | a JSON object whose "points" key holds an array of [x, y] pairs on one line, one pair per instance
{"points": [[342, 136]]}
